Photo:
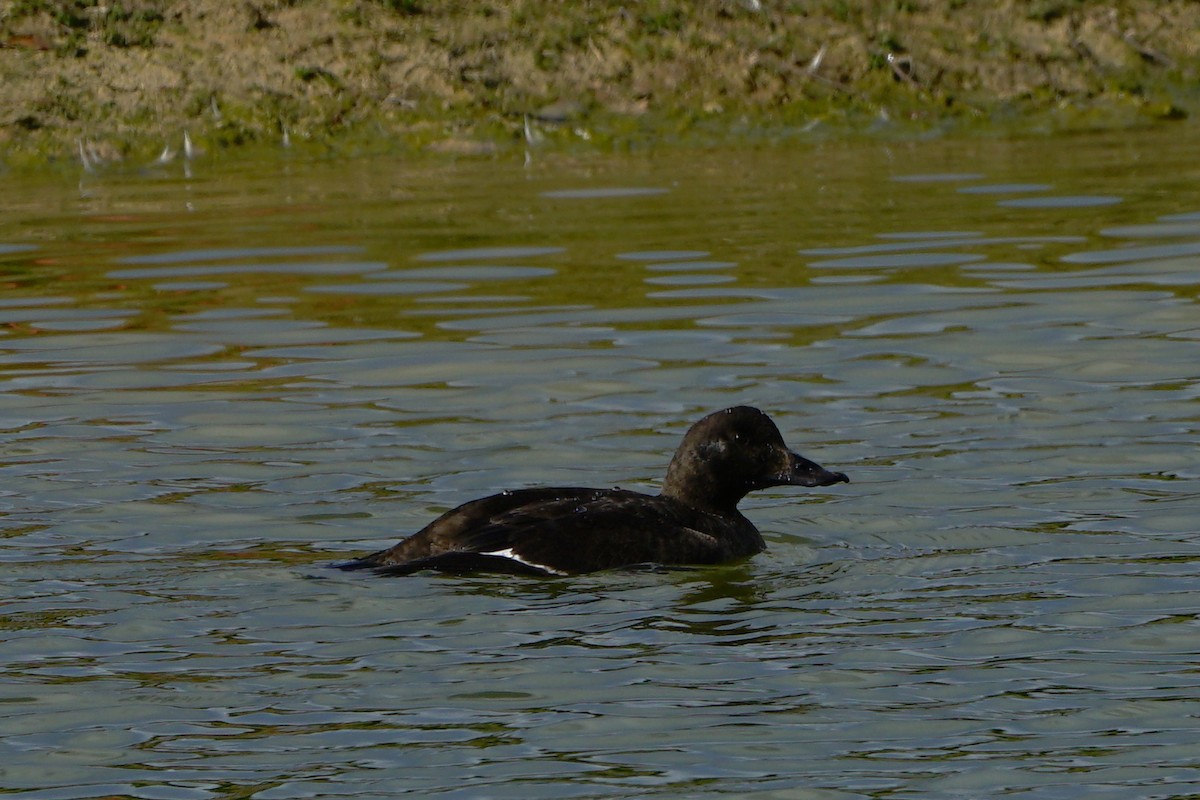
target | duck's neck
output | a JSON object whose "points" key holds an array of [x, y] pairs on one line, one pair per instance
{"points": [[701, 491]]}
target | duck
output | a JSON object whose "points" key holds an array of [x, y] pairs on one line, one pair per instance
{"points": [[558, 531]]}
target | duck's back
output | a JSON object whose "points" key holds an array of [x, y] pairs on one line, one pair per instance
{"points": [[568, 531]]}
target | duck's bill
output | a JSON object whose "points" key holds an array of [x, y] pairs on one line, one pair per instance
{"points": [[803, 472]]}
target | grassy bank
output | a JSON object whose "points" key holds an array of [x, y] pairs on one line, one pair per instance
{"points": [[127, 77]]}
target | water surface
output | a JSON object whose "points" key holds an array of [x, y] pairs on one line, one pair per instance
{"points": [[215, 382]]}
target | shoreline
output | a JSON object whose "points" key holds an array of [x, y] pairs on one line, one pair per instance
{"points": [[97, 85]]}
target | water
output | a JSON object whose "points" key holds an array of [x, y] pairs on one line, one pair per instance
{"points": [[216, 382]]}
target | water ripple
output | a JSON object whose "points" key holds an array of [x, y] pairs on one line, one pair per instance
{"points": [[1001, 603]]}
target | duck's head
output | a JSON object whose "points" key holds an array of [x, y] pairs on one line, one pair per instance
{"points": [[730, 453]]}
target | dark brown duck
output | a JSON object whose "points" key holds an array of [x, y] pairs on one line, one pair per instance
{"points": [[566, 531]]}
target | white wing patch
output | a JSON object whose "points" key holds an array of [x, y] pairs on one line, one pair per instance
{"points": [[511, 554]]}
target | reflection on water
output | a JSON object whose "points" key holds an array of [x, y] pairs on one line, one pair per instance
{"points": [[215, 384]]}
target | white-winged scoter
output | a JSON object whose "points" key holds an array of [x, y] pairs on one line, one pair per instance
{"points": [[565, 531]]}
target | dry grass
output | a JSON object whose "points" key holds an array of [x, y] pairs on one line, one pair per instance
{"points": [[133, 74]]}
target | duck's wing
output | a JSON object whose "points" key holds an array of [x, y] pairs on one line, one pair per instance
{"points": [[597, 530], [481, 526], [613, 530], [556, 531]]}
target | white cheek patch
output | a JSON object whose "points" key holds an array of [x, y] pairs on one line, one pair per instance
{"points": [[511, 554]]}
